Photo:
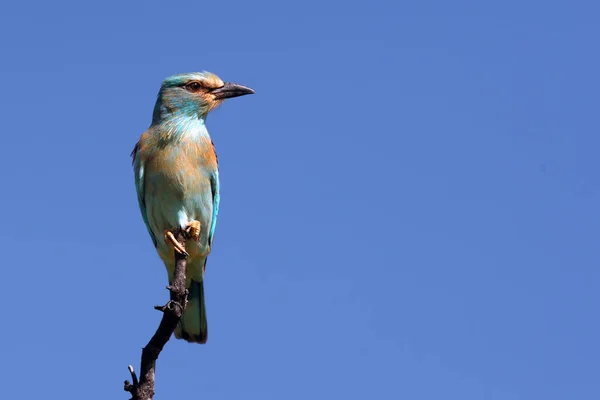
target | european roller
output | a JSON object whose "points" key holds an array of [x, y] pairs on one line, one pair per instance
{"points": [[177, 182]]}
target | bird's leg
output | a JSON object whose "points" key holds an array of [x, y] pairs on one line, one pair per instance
{"points": [[193, 230], [170, 238]]}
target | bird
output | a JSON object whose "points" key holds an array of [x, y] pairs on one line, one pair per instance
{"points": [[176, 177]]}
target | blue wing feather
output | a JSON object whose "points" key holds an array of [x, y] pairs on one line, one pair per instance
{"points": [[214, 185], [138, 170]]}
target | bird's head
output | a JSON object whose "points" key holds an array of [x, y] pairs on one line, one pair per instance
{"points": [[194, 95]]}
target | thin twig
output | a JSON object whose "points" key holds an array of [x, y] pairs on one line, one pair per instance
{"points": [[172, 312]]}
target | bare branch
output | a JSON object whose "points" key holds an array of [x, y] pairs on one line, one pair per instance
{"points": [[172, 312]]}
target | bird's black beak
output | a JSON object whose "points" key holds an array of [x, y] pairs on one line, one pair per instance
{"points": [[229, 90]]}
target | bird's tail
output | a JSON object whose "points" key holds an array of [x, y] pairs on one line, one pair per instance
{"points": [[192, 326]]}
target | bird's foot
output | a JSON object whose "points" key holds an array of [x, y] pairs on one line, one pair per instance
{"points": [[193, 230], [170, 238]]}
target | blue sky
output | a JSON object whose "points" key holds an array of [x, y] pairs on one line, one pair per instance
{"points": [[409, 202]]}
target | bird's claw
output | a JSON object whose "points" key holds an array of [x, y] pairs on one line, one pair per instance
{"points": [[170, 238], [193, 230]]}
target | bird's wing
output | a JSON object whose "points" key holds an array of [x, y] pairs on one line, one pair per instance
{"points": [[214, 187], [138, 170]]}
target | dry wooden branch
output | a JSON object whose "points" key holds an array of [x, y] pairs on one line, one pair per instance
{"points": [[143, 389]]}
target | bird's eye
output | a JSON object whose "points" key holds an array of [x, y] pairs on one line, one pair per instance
{"points": [[193, 86]]}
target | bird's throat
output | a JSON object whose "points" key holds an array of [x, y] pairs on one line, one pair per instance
{"points": [[182, 127]]}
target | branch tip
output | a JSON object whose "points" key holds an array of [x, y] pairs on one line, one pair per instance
{"points": [[134, 377]]}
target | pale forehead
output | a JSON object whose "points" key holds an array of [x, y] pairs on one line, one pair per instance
{"points": [[207, 78]]}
